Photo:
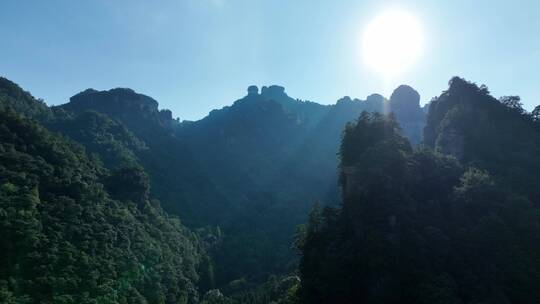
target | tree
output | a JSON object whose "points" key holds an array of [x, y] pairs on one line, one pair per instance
{"points": [[421, 227], [68, 238], [512, 102], [536, 113]]}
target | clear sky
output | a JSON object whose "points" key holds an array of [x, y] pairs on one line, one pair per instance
{"points": [[196, 55]]}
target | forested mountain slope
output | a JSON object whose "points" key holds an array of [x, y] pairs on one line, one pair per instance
{"points": [[452, 221], [266, 139], [495, 135], [419, 226], [253, 169], [277, 155], [74, 232], [175, 175]]}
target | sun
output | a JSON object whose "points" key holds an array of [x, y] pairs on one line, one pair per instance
{"points": [[392, 42]]}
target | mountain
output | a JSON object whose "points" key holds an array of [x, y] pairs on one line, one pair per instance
{"points": [[175, 175], [468, 123], [74, 231], [274, 156], [115, 145], [307, 112], [253, 168], [253, 136], [439, 203], [455, 221], [21, 101], [405, 104], [268, 136], [245, 149]]}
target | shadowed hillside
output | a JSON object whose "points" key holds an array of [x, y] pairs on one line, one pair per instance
{"points": [[454, 224], [75, 232]]}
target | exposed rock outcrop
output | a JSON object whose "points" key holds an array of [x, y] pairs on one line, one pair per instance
{"points": [[405, 104]]}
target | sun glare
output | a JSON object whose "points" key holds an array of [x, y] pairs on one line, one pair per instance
{"points": [[392, 43]]}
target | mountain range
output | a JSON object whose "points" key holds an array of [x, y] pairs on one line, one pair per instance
{"points": [[254, 168], [232, 187]]}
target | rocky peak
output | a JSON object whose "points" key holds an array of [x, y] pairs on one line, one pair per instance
{"points": [[88, 91], [253, 90], [274, 92], [344, 100], [122, 104], [405, 104], [405, 97], [117, 99], [376, 102]]}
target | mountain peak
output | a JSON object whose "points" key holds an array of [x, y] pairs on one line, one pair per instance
{"points": [[253, 90], [87, 92], [405, 95], [405, 103], [114, 99], [123, 104], [273, 92], [375, 98], [273, 89]]}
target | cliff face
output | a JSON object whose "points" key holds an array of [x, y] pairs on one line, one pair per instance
{"points": [[405, 104]]}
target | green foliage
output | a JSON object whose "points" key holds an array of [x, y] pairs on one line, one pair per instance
{"points": [[277, 290], [535, 114], [209, 172], [418, 227], [453, 222], [11, 95], [512, 102], [232, 169], [67, 238], [130, 184], [115, 145], [467, 122], [130, 130]]}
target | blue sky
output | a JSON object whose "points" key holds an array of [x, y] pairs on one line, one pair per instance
{"points": [[197, 55]]}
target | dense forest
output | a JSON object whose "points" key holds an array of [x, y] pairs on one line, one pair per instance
{"points": [[252, 169], [454, 221], [75, 232], [109, 199]]}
